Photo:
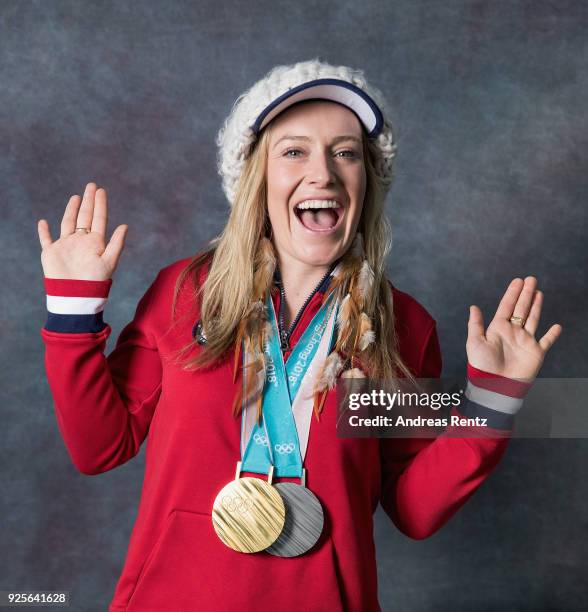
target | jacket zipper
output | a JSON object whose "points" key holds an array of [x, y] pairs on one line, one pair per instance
{"points": [[286, 333]]}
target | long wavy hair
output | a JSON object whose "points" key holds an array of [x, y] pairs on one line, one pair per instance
{"points": [[240, 265]]}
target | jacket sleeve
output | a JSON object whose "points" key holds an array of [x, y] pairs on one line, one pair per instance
{"points": [[103, 405], [426, 481]]}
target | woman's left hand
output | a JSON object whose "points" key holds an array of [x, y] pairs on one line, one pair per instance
{"points": [[509, 348]]}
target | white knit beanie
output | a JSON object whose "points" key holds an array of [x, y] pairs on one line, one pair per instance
{"points": [[253, 110]]}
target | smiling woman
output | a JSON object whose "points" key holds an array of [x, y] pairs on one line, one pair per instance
{"points": [[315, 198], [250, 498]]}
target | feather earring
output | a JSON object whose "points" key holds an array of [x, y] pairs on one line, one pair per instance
{"points": [[255, 328], [365, 283], [329, 372], [347, 313], [353, 373], [326, 380], [366, 335]]}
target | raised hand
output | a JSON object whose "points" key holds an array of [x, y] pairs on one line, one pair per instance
{"points": [[79, 254], [508, 347]]}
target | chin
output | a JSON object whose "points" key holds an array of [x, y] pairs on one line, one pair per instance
{"points": [[319, 254]]}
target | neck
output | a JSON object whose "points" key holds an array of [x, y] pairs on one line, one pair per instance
{"points": [[299, 280]]}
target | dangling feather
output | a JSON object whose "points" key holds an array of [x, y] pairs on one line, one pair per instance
{"points": [[366, 339], [366, 335], [348, 313], [256, 315], [364, 323], [254, 389], [254, 324], [327, 380], [344, 311], [319, 400], [365, 282], [254, 374], [353, 373], [329, 372]]}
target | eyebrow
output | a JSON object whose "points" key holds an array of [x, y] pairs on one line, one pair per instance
{"points": [[306, 138]]}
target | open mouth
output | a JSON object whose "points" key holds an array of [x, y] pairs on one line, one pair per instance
{"points": [[319, 215]]}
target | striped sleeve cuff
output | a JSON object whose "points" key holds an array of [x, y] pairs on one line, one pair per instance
{"points": [[76, 306], [493, 397]]}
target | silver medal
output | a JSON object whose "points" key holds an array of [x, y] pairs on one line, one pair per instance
{"points": [[304, 520]]}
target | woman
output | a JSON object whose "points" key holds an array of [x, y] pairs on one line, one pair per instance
{"points": [[306, 160]]}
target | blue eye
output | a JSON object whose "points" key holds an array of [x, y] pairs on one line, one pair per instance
{"points": [[348, 151], [290, 151]]}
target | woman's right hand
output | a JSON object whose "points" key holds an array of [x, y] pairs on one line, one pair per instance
{"points": [[77, 254]]}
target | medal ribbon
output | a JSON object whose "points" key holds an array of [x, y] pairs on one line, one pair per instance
{"points": [[287, 397]]}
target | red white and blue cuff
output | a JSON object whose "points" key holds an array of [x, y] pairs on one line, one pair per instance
{"points": [[76, 306], [492, 397]]}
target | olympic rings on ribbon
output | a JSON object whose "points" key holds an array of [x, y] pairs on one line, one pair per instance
{"points": [[260, 439], [284, 448]]}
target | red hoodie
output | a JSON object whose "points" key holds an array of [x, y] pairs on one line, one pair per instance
{"points": [[107, 406]]}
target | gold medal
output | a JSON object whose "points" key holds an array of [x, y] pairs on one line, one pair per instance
{"points": [[248, 513]]}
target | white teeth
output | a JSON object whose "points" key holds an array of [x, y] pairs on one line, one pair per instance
{"points": [[318, 204]]}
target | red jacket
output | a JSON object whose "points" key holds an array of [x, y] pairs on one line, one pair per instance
{"points": [[107, 406]]}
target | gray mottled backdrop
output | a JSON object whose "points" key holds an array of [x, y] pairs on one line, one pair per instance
{"points": [[489, 103]]}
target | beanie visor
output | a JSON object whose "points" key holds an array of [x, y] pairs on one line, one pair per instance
{"points": [[336, 90]]}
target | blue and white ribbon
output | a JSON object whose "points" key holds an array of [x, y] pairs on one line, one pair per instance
{"points": [[288, 399]]}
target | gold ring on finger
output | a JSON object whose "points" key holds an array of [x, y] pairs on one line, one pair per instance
{"points": [[83, 228], [517, 321]]}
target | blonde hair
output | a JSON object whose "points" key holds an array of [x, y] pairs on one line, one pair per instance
{"points": [[241, 263]]}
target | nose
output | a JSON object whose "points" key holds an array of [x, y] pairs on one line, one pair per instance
{"points": [[320, 170]]}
